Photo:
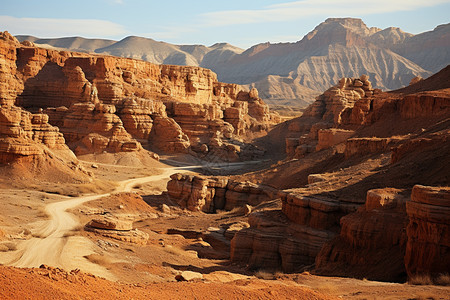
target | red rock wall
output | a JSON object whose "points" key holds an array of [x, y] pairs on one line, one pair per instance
{"points": [[137, 92], [422, 106], [365, 146], [428, 247], [372, 241], [198, 193]]}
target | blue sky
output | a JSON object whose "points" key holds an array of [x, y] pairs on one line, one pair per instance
{"points": [[241, 23]]}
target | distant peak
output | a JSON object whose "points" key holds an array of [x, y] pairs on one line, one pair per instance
{"points": [[220, 45], [353, 25], [344, 20], [136, 38]]}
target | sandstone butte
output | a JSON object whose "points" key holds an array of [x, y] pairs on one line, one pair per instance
{"points": [[363, 190]]}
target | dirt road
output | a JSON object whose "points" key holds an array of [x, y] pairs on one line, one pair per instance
{"points": [[54, 245]]}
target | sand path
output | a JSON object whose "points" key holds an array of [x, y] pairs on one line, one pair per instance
{"points": [[53, 244]]}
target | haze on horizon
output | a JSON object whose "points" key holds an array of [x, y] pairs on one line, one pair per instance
{"points": [[241, 23]]}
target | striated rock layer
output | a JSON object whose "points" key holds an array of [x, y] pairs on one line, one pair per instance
{"points": [[104, 103], [428, 247], [372, 240], [30, 146], [208, 194], [272, 242]]}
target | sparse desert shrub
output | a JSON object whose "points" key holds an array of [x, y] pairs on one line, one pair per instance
{"points": [[75, 231], [420, 279], [174, 250], [98, 259], [8, 246], [264, 274], [42, 213], [443, 279]]}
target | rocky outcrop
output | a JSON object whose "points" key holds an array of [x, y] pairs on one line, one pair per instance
{"points": [[372, 241], [136, 116], [111, 223], [24, 134], [208, 194], [272, 242], [318, 127], [10, 85], [418, 145], [95, 128], [120, 101], [428, 247], [329, 106], [424, 106], [331, 137], [31, 148], [316, 211], [168, 136], [118, 228], [366, 146]]}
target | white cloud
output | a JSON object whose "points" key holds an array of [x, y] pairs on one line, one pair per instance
{"points": [[295, 10], [299, 9], [42, 27]]}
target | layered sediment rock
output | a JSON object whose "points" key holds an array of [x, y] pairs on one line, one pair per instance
{"points": [[408, 147], [94, 128], [313, 130], [372, 145], [133, 100], [423, 106], [30, 146], [329, 106], [331, 137], [428, 247], [272, 242], [209, 194], [23, 134], [372, 241], [316, 211], [10, 85]]}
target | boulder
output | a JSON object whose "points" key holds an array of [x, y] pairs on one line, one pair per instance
{"points": [[189, 276], [111, 223]]}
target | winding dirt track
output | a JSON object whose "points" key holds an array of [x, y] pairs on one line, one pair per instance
{"points": [[53, 245]]}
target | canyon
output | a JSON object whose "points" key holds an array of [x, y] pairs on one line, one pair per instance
{"points": [[143, 179]]}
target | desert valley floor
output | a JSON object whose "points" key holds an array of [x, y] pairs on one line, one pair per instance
{"points": [[115, 268]]}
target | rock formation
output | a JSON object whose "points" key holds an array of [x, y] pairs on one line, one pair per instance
{"points": [[28, 141], [208, 194], [316, 129], [428, 247], [324, 222], [372, 240], [103, 103], [272, 242]]}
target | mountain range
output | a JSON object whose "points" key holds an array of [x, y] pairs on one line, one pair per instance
{"points": [[294, 73]]}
